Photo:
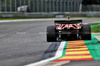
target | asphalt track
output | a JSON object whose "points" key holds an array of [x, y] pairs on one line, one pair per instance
{"points": [[24, 42]]}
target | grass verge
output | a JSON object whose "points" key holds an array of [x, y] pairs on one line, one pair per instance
{"points": [[20, 18], [85, 17], [95, 27], [40, 18]]}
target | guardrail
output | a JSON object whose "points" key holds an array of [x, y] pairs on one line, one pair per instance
{"points": [[47, 15]]}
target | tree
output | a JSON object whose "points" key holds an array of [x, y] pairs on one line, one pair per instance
{"points": [[88, 2]]}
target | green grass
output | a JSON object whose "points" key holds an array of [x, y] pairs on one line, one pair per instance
{"points": [[13, 18], [95, 27], [85, 17], [94, 23], [20, 18]]}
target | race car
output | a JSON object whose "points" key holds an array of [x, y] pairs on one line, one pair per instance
{"points": [[65, 30]]}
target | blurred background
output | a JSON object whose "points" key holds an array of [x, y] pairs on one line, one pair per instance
{"points": [[49, 8]]}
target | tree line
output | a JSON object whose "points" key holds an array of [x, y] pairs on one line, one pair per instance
{"points": [[90, 2]]}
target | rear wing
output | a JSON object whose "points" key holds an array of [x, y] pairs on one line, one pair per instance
{"points": [[68, 21]]}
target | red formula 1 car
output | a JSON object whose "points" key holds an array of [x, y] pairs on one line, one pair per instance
{"points": [[68, 30]]}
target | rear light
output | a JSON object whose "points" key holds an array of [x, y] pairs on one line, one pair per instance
{"points": [[56, 25], [68, 17], [81, 24]]}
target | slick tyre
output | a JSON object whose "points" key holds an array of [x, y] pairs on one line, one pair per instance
{"points": [[86, 32], [51, 34]]}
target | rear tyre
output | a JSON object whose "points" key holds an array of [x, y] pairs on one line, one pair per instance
{"points": [[51, 34], [86, 32]]}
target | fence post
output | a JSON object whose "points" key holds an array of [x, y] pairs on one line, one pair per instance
{"points": [[80, 8], [74, 5], [58, 5], [54, 7], [65, 7], [68, 9], [24, 2], [5, 5], [10, 5], [49, 5], [61, 5], [29, 4], [71, 5], [0, 6], [46, 5], [42, 5], [20, 2], [33, 5], [15, 5], [37, 5]]}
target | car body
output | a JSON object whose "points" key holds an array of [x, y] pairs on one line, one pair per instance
{"points": [[64, 30]]}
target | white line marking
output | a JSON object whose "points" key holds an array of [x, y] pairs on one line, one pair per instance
{"points": [[54, 63], [97, 37], [20, 32], [58, 63], [4, 21], [58, 54]]}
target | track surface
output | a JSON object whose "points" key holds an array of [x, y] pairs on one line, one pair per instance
{"points": [[22, 43]]}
